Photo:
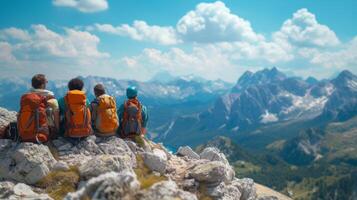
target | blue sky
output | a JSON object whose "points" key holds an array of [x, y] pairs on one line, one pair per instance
{"points": [[136, 39]]}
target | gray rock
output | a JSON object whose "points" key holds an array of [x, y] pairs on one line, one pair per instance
{"points": [[212, 172], [60, 166], [165, 190], [213, 154], [26, 163], [223, 192], [58, 142], [5, 144], [189, 185], [109, 186], [6, 189], [91, 147], [133, 146], [246, 188], [105, 163], [155, 162], [65, 147], [161, 153], [9, 190], [5, 118], [187, 151]]}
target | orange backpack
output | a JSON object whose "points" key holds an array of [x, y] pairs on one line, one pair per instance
{"points": [[132, 119], [107, 118], [32, 119], [77, 116]]}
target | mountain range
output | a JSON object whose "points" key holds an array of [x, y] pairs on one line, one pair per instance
{"points": [[267, 105]]}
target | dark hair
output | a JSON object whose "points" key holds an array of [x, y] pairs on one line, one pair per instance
{"points": [[75, 84], [38, 80], [99, 89]]}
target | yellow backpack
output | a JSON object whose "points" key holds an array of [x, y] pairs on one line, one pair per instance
{"points": [[107, 119]]}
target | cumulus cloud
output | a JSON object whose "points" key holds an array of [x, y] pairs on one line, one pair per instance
{"points": [[141, 31], [344, 57], [42, 43], [6, 52], [208, 23], [214, 22], [218, 44], [304, 30], [87, 6], [14, 33]]}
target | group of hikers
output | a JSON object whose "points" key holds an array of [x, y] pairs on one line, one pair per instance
{"points": [[42, 117]]}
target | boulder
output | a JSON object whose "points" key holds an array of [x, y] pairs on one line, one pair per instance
{"points": [[212, 172], [155, 162], [165, 190], [189, 185], [246, 188], [213, 154], [26, 162], [111, 185], [105, 163], [60, 166], [5, 118], [223, 192], [6, 189], [9, 190], [187, 151], [90, 147]]}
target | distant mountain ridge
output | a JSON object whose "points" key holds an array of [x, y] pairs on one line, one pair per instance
{"points": [[269, 97]]}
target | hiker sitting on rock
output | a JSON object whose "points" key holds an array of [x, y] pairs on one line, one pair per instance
{"points": [[104, 116], [133, 115], [38, 119], [74, 111]]}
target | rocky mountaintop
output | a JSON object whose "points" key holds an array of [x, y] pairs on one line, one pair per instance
{"points": [[113, 168]]}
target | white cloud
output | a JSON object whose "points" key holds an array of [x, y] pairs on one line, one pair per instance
{"points": [[208, 23], [304, 30], [207, 61], [44, 44], [342, 58], [217, 43], [14, 33], [141, 31], [6, 52], [214, 22], [87, 6]]}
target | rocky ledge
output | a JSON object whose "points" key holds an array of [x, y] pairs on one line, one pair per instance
{"points": [[113, 168]]}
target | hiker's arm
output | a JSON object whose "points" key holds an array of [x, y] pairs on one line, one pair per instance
{"points": [[53, 103], [145, 116]]}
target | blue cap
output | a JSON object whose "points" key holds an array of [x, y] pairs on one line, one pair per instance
{"points": [[131, 92]]}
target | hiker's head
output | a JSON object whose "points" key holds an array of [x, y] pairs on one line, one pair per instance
{"points": [[39, 81], [99, 90], [131, 92], [75, 84]]}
